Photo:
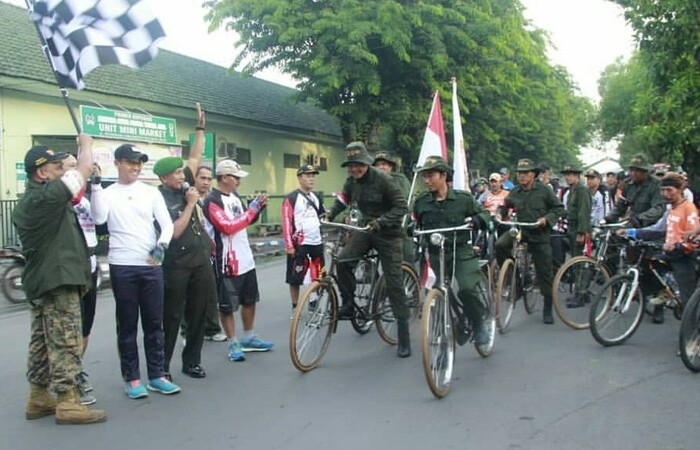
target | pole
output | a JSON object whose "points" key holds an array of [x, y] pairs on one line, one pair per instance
{"points": [[47, 52]]}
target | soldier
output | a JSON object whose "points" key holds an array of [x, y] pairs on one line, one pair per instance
{"points": [[56, 276], [641, 196], [382, 205], [443, 207], [533, 202], [578, 207], [389, 164]]}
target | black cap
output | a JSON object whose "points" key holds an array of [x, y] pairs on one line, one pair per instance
{"points": [[129, 153], [40, 155]]}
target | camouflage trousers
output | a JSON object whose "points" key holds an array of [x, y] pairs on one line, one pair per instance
{"points": [[56, 342]]}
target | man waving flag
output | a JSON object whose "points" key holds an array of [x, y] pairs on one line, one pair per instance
{"points": [[84, 34]]}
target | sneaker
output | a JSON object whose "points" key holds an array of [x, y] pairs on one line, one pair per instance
{"points": [[658, 315], [660, 299], [81, 379], [134, 389], [235, 353], [255, 344], [218, 337], [163, 386], [86, 398]]}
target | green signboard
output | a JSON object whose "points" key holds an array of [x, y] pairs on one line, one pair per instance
{"points": [[208, 154], [127, 126]]}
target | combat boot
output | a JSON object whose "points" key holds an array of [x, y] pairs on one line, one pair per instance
{"points": [[69, 410], [41, 403], [547, 316], [404, 350]]}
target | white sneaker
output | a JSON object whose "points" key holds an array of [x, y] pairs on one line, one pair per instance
{"points": [[660, 298], [218, 337]]}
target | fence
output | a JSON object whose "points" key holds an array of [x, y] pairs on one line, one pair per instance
{"points": [[8, 234]]}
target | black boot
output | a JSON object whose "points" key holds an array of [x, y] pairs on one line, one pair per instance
{"points": [[346, 311], [404, 350], [547, 317]]}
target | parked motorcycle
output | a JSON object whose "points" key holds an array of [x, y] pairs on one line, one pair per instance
{"points": [[11, 272]]}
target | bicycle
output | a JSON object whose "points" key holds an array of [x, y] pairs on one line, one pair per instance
{"points": [[617, 311], [580, 278], [444, 321], [516, 278], [316, 315], [689, 334]]}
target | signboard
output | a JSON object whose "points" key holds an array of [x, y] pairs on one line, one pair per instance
{"points": [[103, 154], [208, 154], [128, 126], [21, 176]]}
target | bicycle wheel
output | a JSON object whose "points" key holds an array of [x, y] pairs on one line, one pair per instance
{"points": [[12, 283], [616, 312], [364, 277], [384, 313], [484, 293], [577, 281], [437, 343], [505, 295], [689, 335], [531, 295], [314, 321]]}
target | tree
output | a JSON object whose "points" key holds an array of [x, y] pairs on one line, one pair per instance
{"points": [[374, 64]]}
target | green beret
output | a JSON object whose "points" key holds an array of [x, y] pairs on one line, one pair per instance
{"points": [[167, 165]]}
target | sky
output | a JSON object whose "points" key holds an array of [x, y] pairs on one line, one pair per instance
{"points": [[586, 36]]}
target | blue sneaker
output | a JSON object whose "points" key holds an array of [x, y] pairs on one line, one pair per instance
{"points": [[255, 344], [134, 389], [163, 386], [235, 353]]}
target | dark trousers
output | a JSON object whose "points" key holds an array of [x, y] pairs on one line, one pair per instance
{"points": [[542, 257], [188, 290], [390, 249], [684, 272], [139, 290]]}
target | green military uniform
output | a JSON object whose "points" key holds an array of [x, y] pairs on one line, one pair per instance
{"points": [[381, 203], [578, 209], [56, 276], [188, 279], [530, 205], [643, 200], [451, 212], [405, 186]]}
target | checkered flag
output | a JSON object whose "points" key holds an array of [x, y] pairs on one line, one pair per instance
{"points": [[84, 34]]}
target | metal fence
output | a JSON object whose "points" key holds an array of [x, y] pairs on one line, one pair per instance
{"points": [[8, 234]]}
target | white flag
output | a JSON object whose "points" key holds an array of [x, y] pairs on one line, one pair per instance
{"points": [[459, 164], [434, 142], [82, 35]]}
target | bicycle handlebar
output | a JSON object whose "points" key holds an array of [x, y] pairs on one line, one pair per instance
{"points": [[345, 226], [517, 224], [466, 226], [613, 225]]}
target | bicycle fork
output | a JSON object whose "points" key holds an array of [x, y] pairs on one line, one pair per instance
{"points": [[623, 299]]}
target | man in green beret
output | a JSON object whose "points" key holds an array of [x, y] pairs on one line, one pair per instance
{"points": [[641, 199], [382, 205], [443, 207], [189, 284], [533, 202]]}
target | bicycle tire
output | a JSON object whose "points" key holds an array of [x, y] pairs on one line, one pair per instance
{"points": [[486, 297], [437, 343], [383, 312], [361, 321], [505, 295], [12, 283], [689, 334], [604, 313], [571, 306], [313, 321], [530, 297]]}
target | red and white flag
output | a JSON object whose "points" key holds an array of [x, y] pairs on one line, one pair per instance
{"points": [[459, 163], [434, 142]]}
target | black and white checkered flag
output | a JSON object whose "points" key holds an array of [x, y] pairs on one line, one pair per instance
{"points": [[84, 34]]}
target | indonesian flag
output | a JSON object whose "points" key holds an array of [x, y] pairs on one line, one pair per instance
{"points": [[434, 142], [459, 164]]}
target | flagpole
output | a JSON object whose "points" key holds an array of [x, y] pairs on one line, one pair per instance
{"points": [[47, 53]]}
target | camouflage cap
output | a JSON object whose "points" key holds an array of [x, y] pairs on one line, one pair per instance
{"points": [[640, 162], [385, 156], [570, 168], [437, 164], [526, 165], [592, 173], [356, 152]]}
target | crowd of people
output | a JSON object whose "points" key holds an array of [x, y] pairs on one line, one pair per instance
{"points": [[180, 260]]}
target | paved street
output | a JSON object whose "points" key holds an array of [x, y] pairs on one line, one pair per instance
{"points": [[543, 388]]}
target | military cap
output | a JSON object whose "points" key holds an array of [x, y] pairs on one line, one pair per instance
{"points": [[436, 163], [640, 162], [167, 165], [480, 181], [356, 152], [570, 168], [40, 155], [526, 165], [385, 156], [308, 168], [592, 173]]}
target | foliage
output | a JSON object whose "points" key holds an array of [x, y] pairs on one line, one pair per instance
{"points": [[374, 64]]}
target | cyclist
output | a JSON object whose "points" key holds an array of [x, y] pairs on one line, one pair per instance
{"points": [[382, 206], [641, 196], [533, 202], [443, 207]]}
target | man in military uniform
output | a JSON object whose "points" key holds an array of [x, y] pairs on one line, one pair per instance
{"points": [[382, 205], [443, 207], [389, 164], [56, 276], [641, 196], [578, 208], [188, 279], [533, 202]]}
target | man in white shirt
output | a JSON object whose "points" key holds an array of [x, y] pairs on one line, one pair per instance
{"points": [[136, 250]]}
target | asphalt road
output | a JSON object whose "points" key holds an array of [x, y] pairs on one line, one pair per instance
{"points": [[545, 387]]}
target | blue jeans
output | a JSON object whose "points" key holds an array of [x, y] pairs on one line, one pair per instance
{"points": [[139, 290]]}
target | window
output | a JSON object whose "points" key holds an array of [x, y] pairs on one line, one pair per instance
{"points": [[185, 149], [57, 143], [323, 164], [243, 156], [292, 161]]}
